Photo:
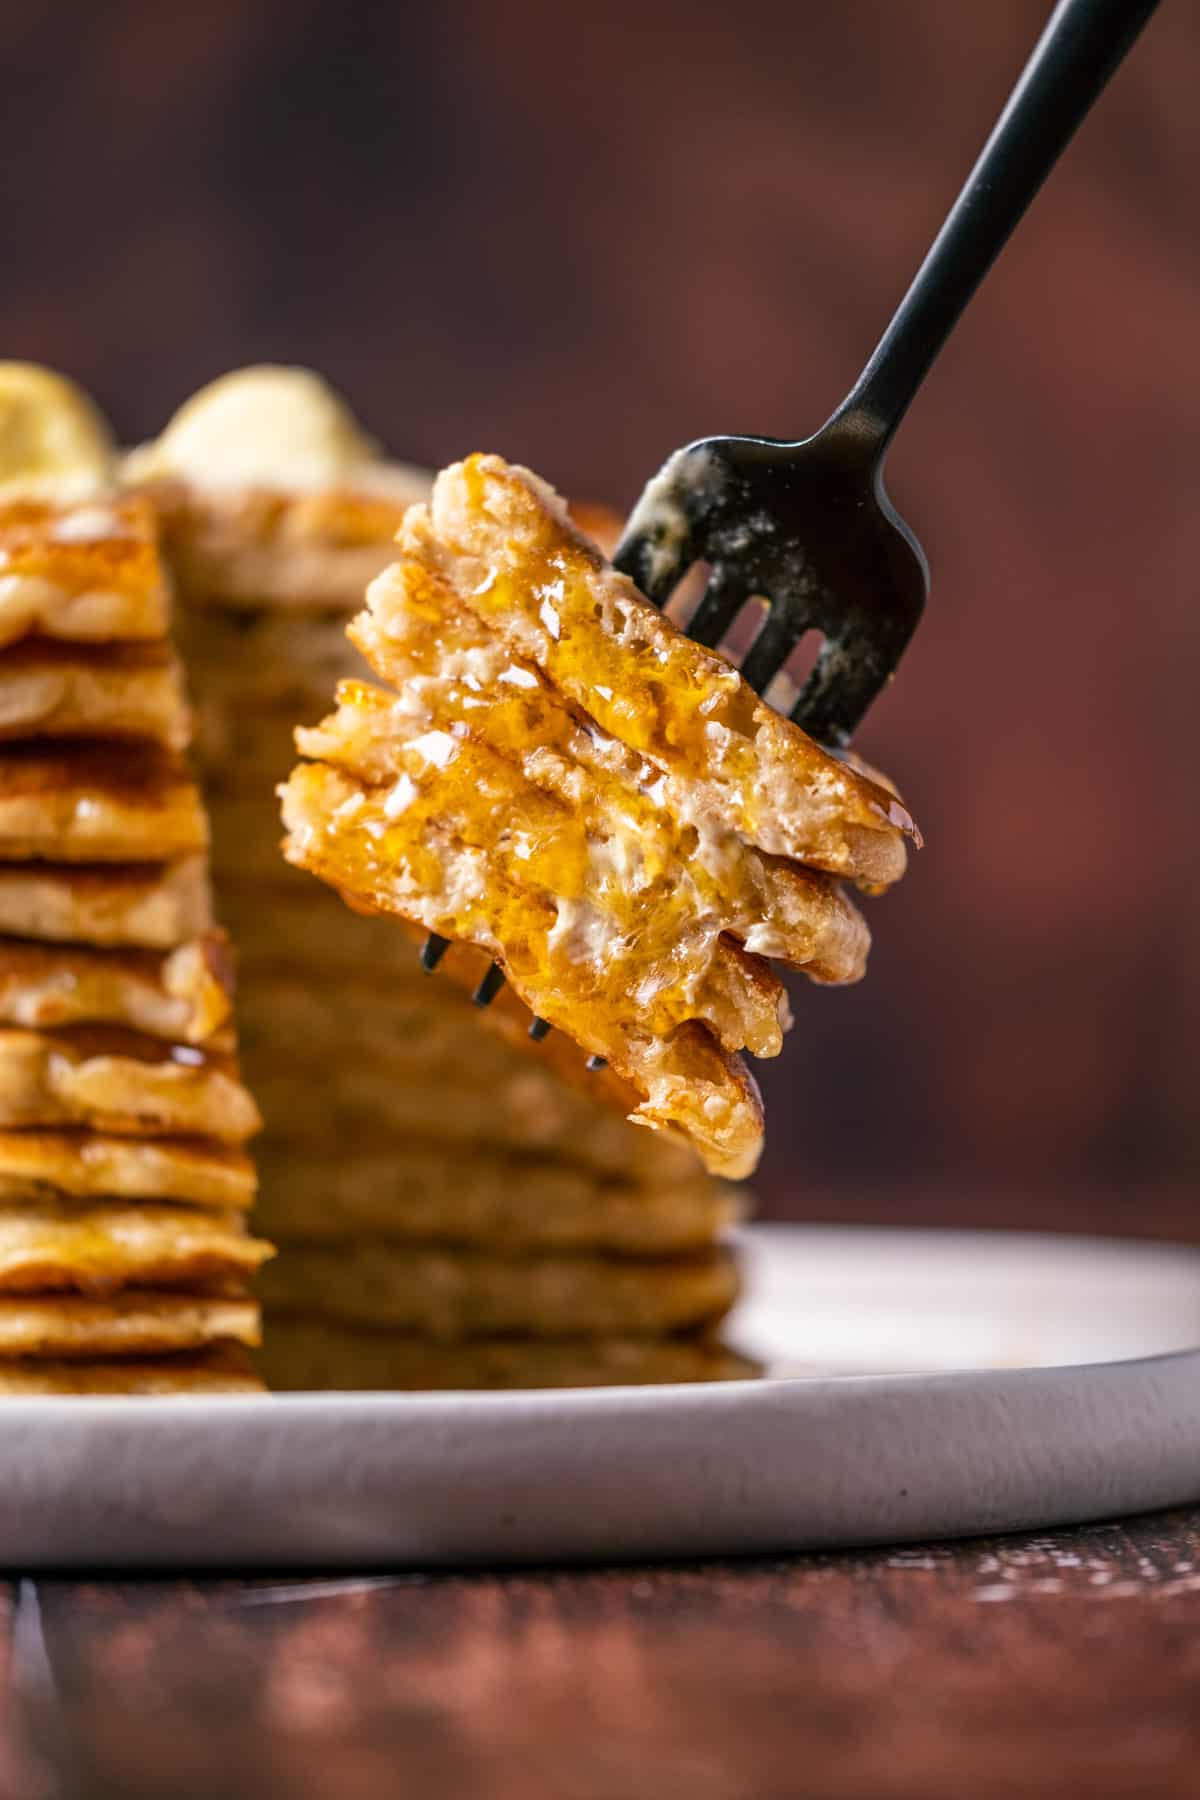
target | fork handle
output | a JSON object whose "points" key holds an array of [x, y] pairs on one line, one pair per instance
{"points": [[1082, 44]]}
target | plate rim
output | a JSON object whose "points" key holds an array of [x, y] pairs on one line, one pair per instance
{"points": [[756, 1237], [459, 1478]]}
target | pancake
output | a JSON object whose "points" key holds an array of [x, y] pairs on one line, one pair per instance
{"points": [[288, 915], [342, 832], [269, 661], [58, 690], [88, 1165], [343, 999], [440, 1194], [367, 1107], [502, 540], [603, 846], [224, 1371], [138, 1323], [97, 803], [304, 1022], [86, 573], [98, 1247], [578, 1104], [242, 752], [638, 833], [264, 546], [115, 989], [664, 912], [150, 905], [317, 1039], [270, 493], [183, 994], [450, 1294], [318, 1045], [662, 1152], [425, 1026], [120, 1081], [326, 1058], [304, 1353]]}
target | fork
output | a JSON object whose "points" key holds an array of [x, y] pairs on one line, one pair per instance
{"points": [[807, 526]]}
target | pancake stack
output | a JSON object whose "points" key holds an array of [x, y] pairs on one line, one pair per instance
{"points": [[124, 1181], [464, 1217], [454, 1205]]}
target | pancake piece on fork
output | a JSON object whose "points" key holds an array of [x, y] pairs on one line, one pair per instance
{"points": [[564, 781]]}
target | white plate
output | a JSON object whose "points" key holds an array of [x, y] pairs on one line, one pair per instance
{"points": [[929, 1384]]}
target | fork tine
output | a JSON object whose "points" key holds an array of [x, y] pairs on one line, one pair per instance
{"points": [[656, 571], [776, 639], [719, 605], [844, 681], [432, 952], [489, 987]]}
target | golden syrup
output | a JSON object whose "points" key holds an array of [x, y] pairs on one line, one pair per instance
{"points": [[116, 548], [623, 918]]}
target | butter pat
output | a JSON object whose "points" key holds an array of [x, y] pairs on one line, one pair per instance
{"points": [[54, 445], [266, 426]]}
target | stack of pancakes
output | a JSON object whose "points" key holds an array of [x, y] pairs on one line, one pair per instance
{"points": [[561, 779], [454, 1205], [124, 1182], [463, 1216]]}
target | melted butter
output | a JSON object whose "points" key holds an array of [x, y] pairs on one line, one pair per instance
{"points": [[267, 424], [53, 442]]}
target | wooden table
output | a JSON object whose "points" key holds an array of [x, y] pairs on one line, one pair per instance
{"points": [[1065, 1664]]}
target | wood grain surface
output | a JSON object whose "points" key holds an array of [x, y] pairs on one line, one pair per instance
{"points": [[1059, 1665]]}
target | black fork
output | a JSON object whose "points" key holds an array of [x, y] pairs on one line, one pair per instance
{"points": [[807, 526]]}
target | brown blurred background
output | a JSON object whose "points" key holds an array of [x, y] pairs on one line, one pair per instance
{"points": [[581, 235]]}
